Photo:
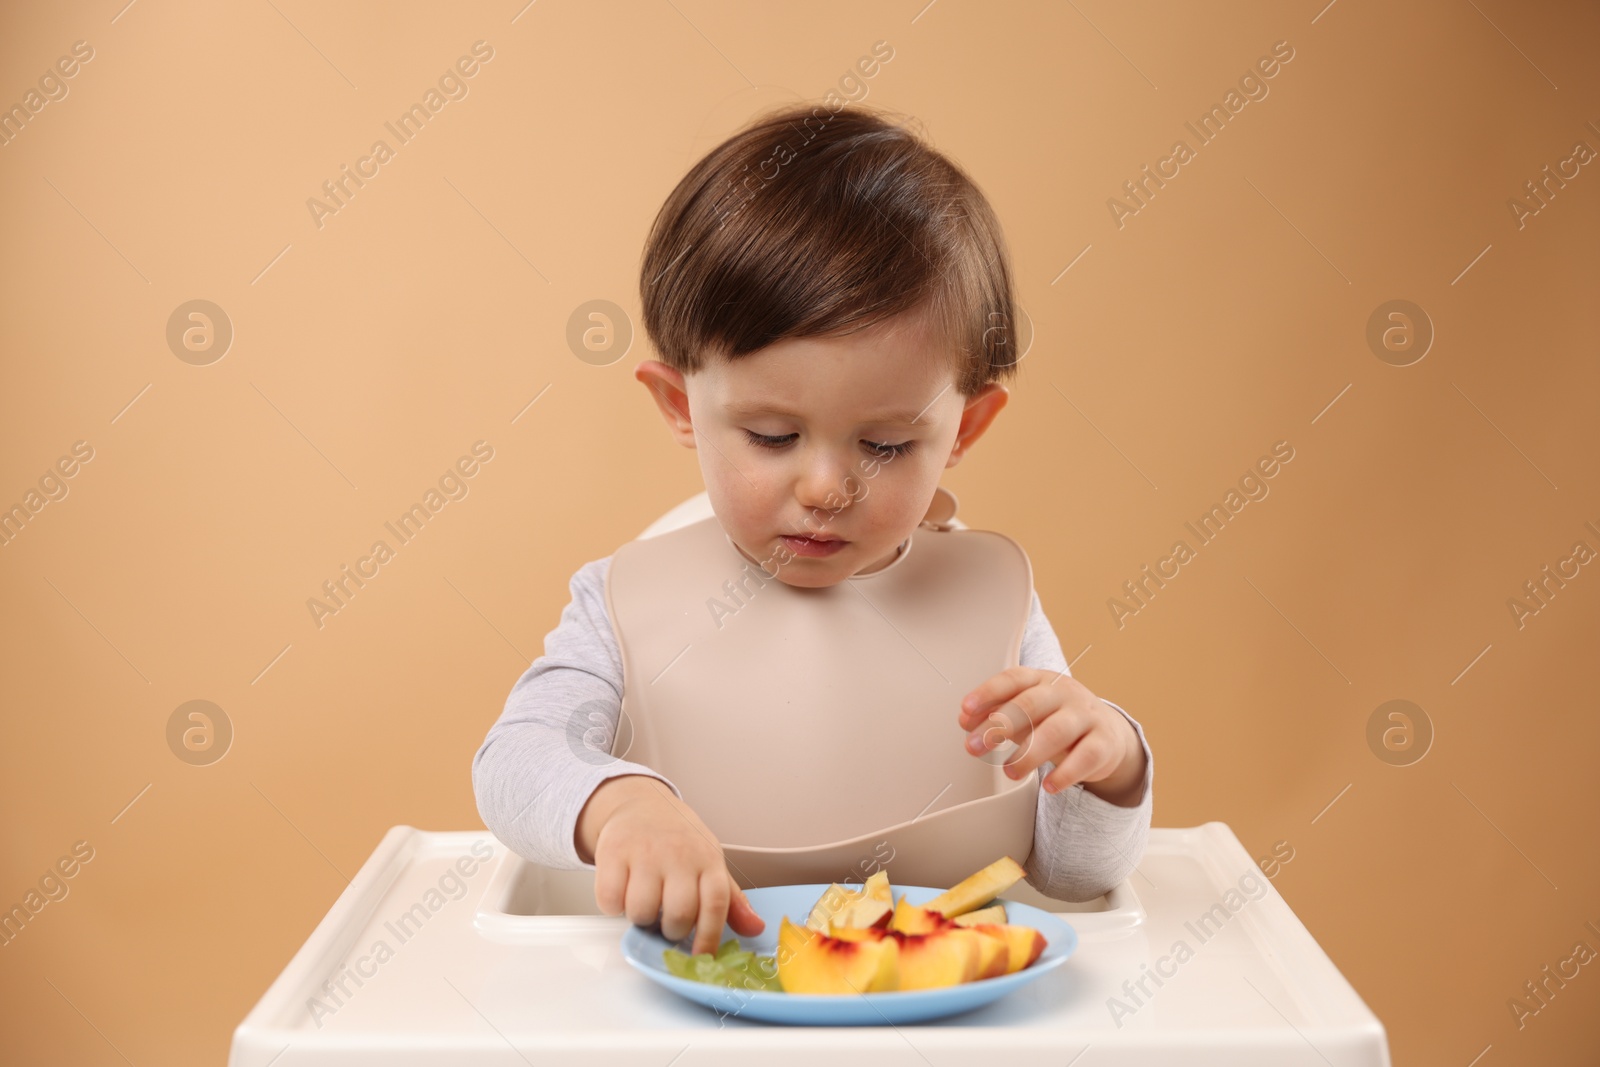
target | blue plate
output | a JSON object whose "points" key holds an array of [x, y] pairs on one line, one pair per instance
{"points": [[643, 947]]}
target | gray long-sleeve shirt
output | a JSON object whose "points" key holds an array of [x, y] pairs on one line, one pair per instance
{"points": [[548, 750]]}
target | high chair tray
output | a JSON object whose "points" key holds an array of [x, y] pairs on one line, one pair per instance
{"points": [[447, 948]]}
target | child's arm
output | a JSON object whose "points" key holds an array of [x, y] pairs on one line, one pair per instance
{"points": [[549, 750], [547, 785], [655, 857], [1089, 836]]}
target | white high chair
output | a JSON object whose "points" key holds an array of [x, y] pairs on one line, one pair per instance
{"points": [[694, 509], [521, 967]]}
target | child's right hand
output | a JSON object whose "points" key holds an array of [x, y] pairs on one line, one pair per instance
{"points": [[653, 855]]}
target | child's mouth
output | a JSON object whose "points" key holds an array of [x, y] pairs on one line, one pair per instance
{"points": [[807, 546]]}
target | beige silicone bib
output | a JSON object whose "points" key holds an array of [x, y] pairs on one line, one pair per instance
{"points": [[815, 730]]}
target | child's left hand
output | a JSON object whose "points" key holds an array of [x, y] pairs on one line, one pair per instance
{"points": [[1054, 717]]}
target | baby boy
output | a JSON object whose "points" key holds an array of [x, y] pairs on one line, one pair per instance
{"points": [[833, 304]]}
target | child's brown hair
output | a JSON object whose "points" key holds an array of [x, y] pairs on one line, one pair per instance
{"points": [[810, 222]]}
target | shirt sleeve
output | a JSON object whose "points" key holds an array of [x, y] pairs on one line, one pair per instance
{"points": [[1083, 846], [551, 747]]}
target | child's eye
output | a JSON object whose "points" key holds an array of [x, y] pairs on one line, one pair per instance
{"points": [[762, 440], [766, 441]]}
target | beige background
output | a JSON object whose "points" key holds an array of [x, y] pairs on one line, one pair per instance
{"points": [[369, 354]]}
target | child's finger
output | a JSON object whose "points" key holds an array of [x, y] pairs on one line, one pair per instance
{"points": [[680, 905], [742, 917], [994, 690], [1049, 738], [1091, 758], [643, 897], [1007, 722], [610, 885], [1016, 719], [713, 890]]}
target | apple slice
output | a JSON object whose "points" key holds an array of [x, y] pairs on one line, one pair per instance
{"points": [[976, 889]]}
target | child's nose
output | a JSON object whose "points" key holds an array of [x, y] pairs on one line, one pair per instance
{"points": [[824, 482]]}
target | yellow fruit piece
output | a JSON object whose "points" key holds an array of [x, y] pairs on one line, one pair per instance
{"points": [[941, 958], [862, 941], [994, 953], [908, 918], [976, 889], [859, 913], [983, 950], [833, 898], [1026, 944], [993, 914], [812, 962], [836, 898]]}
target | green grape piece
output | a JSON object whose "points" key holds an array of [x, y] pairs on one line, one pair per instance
{"points": [[731, 966]]}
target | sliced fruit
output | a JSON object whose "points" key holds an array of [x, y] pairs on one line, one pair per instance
{"points": [[945, 956], [858, 933], [813, 962], [994, 914], [731, 965], [836, 898], [941, 958], [911, 919], [994, 953], [976, 889], [833, 898], [861, 913], [1026, 943], [861, 940]]}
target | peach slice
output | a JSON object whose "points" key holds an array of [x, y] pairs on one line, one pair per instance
{"points": [[911, 918], [862, 940], [994, 954], [941, 958], [976, 889], [812, 962], [858, 933], [833, 898], [943, 954], [993, 947], [994, 914], [836, 899], [861, 913], [1026, 944]]}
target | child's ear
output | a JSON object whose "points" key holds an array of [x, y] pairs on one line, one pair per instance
{"points": [[979, 412], [666, 385]]}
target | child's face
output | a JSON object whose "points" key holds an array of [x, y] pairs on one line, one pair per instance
{"points": [[829, 406]]}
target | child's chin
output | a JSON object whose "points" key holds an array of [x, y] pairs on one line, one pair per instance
{"points": [[818, 577]]}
